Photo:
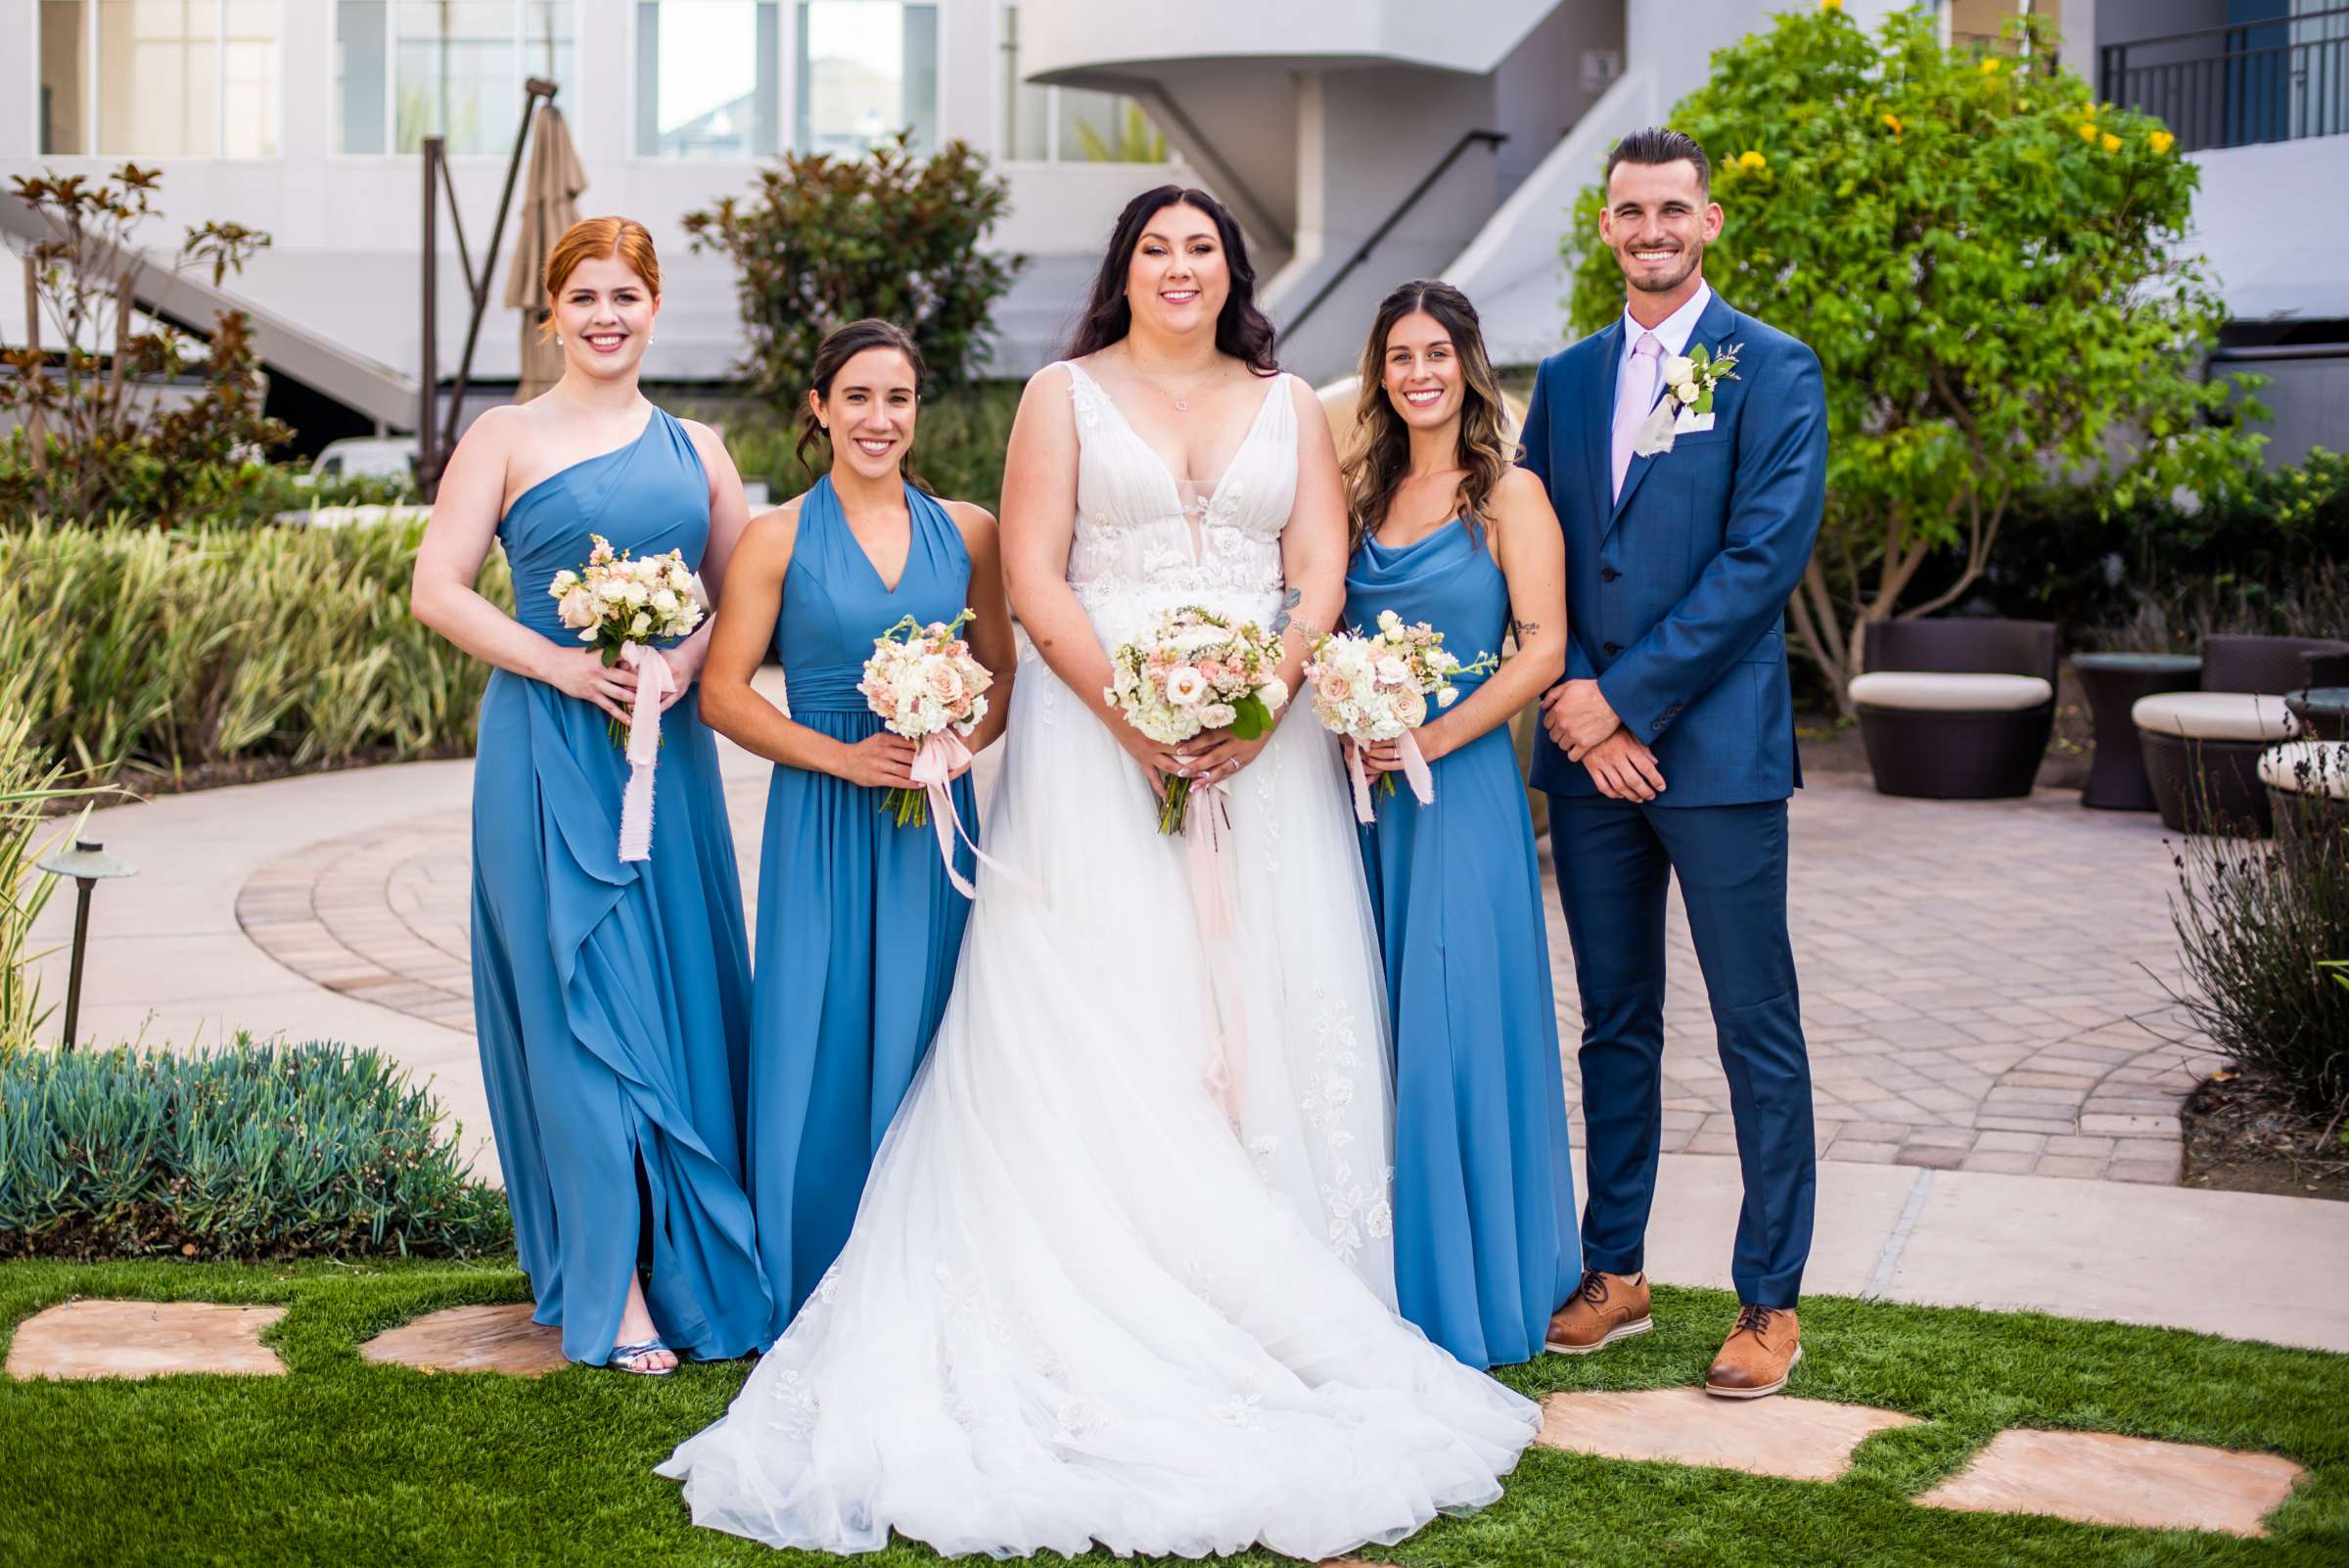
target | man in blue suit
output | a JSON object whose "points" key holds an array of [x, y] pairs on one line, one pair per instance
{"points": [[1669, 744]]}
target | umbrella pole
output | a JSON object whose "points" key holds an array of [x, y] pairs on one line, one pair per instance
{"points": [[536, 88]]}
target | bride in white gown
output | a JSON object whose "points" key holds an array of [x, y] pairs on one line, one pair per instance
{"points": [[1123, 1271]]}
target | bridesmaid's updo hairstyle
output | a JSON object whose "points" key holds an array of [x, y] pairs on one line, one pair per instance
{"points": [[839, 345], [1380, 454], [1242, 331], [590, 238]]}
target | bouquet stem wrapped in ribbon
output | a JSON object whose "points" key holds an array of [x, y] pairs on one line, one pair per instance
{"points": [[622, 605], [924, 684], [1379, 686]]}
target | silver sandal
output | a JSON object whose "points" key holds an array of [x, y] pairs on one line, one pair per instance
{"points": [[623, 1353]]}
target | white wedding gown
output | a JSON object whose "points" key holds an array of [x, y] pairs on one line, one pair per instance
{"points": [[1078, 1302]]}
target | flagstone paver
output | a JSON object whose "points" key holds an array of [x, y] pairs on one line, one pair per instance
{"points": [[1798, 1438], [88, 1339], [1983, 980], [2100, 1478], [472, 1339]]}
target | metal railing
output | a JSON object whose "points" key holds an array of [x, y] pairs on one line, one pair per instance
{"points": [[1468, 139], [2278, 80]]}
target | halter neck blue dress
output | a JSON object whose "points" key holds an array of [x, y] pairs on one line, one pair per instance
{"points": [[1486, 1246], [611, 1001], [858, 928]]}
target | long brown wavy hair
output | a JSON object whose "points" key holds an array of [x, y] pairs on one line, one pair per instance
{"points": [[1380, 454]]}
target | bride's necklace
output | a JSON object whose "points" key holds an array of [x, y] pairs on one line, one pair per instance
{"points": [[1181, 401]]}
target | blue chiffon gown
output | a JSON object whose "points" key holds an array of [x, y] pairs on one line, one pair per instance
{"points": [[612, 1000], [858, 928], [1485, 1240]]}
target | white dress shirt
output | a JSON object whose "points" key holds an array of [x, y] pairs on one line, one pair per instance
{"points": [[1673, 331]]}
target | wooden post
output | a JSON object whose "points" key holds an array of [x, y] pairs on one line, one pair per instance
{"points": [[36, 424]]}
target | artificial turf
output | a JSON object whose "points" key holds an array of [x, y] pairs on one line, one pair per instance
{"points": [[345, 1463]]}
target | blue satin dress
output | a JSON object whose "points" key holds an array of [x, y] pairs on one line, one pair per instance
{"points": [[1485, 1240], [612, 1000], [858, 928]]}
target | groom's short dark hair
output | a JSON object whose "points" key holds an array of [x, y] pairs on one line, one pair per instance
{"points": [[1660, 144]]}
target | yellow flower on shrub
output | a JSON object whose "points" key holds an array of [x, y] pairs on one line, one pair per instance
{"points": [[2109, 142], [1830, 5], [2162, 141], [1750, 159], [1991, 65], [2088, 130], [1892, 124]]}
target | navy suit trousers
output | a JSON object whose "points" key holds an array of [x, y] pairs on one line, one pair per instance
{"points": [[1615, 860]]}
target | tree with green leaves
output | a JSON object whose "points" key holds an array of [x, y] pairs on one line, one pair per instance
{"points": [[1987, 262], [828, 241]]}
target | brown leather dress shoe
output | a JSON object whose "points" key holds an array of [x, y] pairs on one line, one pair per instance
{"points": [[1761, 1351], [1604, 1309]]}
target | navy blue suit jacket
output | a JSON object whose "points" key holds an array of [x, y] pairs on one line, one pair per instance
{"points": [[1677, 591]]}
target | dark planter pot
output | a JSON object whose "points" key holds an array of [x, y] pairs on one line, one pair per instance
{"points": [[2207, 786]]}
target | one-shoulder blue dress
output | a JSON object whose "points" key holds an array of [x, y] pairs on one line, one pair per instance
{"points": [[612, 1000], [858, 928], [1486, 1246]]}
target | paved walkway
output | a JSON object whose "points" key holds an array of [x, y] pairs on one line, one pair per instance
{"points": [[1981, 985]]}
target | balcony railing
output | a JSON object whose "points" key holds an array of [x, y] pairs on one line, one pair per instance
{"points": [[2256, 81]]}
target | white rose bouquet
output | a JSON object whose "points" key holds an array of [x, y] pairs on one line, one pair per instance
{"points": [[622, 604], [1196, 670], [1378, 686], [925, 685]]}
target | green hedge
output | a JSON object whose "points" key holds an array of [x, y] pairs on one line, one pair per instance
{"points": [[252, 1151], [169, 650]]}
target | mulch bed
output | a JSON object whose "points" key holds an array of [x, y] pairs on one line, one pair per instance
{"points": [[2243, 1133]]}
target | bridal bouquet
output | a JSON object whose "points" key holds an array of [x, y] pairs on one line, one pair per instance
{"points": [[1196, 670], [621, 604], [1373, 686], [925, 685]]}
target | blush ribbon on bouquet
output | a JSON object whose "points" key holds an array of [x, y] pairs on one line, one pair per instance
{"points": [[1415, 768], [654, 683], [941, 754], [1207, 828]]}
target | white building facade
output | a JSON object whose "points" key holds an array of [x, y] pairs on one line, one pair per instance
{"points": [[1362, 142]]}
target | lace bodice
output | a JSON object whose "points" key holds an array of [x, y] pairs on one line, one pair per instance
{"points": [[1141, 546]]}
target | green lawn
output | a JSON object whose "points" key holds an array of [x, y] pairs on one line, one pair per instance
{"points": [[348, 1464]]}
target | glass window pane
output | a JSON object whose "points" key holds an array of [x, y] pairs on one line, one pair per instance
{"points": [[1106, 128], [709, 78], [868, 69], [65, 77], [546, 43], [158, 86], [453, 74], [249, 67], [362, 68], [1026, 134]]}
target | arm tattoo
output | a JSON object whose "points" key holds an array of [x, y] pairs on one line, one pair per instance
{"points": [[1525, 629], [1289, 601]]}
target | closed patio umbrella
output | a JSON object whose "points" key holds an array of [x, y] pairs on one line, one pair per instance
{"points": [[549, 206]]}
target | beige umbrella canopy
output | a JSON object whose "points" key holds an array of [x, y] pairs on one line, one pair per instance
{"points": [[549, 206]]}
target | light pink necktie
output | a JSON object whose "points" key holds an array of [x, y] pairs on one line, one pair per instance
{"points": [[1635, 399]]}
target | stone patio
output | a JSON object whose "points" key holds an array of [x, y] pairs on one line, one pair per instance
{"points": [[1983, 981]]}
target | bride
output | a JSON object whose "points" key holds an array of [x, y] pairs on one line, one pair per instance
{"points": [[1123, 1271]]}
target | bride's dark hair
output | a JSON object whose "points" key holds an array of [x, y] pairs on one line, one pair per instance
{"points": [[1242, 331]]}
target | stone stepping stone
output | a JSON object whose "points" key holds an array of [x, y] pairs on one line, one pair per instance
{"points": [[1800, 1440], [2102, 1478], [472, 1339], [87, 1339]]}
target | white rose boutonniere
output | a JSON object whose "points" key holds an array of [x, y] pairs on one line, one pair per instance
{"points": [[1689, 381]]}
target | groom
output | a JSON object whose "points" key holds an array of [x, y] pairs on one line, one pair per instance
{"points": [[1669, 744]]}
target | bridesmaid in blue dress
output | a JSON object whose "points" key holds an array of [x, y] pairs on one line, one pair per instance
{"points": [[1449, 530], [858, 924], [611, 1000]]}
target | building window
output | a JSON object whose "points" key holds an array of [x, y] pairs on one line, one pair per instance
{"points": [[159, 78], [709, 78], [405, 69], [1069, 124], [867, 70]]}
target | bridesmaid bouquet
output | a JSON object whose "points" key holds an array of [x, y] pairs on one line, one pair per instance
{"points": [[925, 685], [1196, 670], [1377, 686], [621, 604]]}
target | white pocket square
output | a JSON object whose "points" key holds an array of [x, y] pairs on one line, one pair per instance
{"points": [[1692, 422]]}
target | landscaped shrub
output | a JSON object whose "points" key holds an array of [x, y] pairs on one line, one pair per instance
{"points": [[166, 651], [1992, 268], [27, 782], [2259, 922], [827, 241], [249, 1151]]}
